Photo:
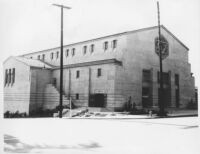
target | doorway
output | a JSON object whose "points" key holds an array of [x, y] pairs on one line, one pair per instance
{"points": [[97, 100]]}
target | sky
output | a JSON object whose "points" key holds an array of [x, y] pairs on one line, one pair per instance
{"points": [[33, 25]]}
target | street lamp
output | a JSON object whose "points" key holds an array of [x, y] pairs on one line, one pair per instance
{"points": [[61, 60]]}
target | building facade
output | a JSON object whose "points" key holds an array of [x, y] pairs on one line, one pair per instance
{"points": [[103, 72]]}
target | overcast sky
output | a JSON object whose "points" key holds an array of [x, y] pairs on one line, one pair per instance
{"points": [[33, 25]]}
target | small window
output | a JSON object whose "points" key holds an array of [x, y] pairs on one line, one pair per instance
{"points": [[43, 57], [38, 57], [114, 44], [92, 48], [105, 45], [52, 55], [84, 49], [57, 54], [77, 96], [98, 72], [73, 51], [31, 57], [77, 74], [67, 53]]}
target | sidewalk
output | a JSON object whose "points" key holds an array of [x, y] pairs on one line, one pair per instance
{"points": [[126, 115]]}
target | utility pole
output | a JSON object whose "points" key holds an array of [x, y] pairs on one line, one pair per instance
{"points": [[161, 102], [61, 60]]}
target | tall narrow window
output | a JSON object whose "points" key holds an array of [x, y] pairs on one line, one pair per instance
{"points": [[9, 78], [13, 75], [114, 44], [43, 57], [38, 57], [146, 75], [73, 51], [177, 79], [6, 77], [77, 96], [165, 77], [77, 74], [92, 48], [105, 46], [98, 72], [67, 53], [57, 54], [51, 55], [84, 49]]}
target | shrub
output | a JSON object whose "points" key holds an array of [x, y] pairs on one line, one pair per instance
{"points": [[192, 105], [16, 114]]}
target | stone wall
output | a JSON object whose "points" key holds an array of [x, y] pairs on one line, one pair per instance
{"points": [[39, 79], [17, 94]]}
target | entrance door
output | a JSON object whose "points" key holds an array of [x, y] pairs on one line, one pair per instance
{"points": [[97, 100]]}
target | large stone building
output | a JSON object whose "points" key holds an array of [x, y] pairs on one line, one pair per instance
{"points": [[103, 72]]}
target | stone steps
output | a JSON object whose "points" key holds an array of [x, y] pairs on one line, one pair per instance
{"points": [[52, 97]]}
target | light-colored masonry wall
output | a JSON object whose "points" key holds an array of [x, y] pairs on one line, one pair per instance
{"points": [[39, 79], [140, 54], [136, 50], [17, 95], [98, 54], [103, 84], [88, 82]]}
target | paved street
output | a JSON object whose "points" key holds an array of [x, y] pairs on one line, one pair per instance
{"points": [[76, 136]]}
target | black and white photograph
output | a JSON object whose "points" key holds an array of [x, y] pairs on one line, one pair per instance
{"points": [[99, 76]]}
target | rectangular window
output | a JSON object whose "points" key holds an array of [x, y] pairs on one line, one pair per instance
{"points": [[67, 53], [9, 76], [146, 75], [114, 44], [176, 79], [73, 51], [13, 75], [77, 96], [98, 72], [92, 48], [6, 77], [105, 45], [77, 74], [166, 79], [57, 54], [158, 77], [84, 49], [43, 57], [38, 57], [52, 55]]}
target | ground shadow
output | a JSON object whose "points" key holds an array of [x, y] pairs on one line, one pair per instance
{"points": [[13, 145]]}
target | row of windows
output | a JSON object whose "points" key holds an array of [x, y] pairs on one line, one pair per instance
{"points": [[99, 73], [166, 78], [85, 50], [9, 76], [147, 77]]}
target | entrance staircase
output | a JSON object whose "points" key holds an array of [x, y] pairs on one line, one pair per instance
{"points": [[51, 98]]}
